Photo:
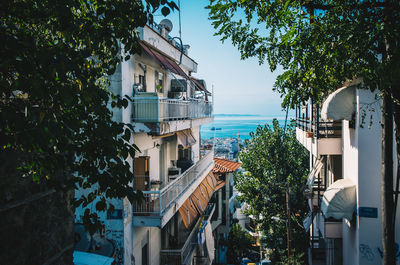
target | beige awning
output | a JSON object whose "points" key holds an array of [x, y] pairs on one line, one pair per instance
{"points": [[340, 105], [339, 200], [185, 138]]}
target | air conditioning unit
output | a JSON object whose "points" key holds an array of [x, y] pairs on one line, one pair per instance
{"points": [[173, 173], [178, 85]]}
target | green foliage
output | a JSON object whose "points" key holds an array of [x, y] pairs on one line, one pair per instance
{"points": [[54, 103], [239, 243], [270, 161], [319, 44]]}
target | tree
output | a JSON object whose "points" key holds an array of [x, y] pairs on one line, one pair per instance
{"points": [[56, 125], [320, 45], [239, 242], [271, 161]]}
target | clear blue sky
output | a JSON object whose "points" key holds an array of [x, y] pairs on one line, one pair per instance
{"points": [[240, 87]]}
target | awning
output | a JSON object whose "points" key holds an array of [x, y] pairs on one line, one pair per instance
{"points": [[314, 172], [200, 86], [209, 185], [164, 61], [339, 200], [340, 104], [188, 212], [220, 184], [211, 180], [307, 221], [200, 199], [185, 138], [197, 202]]}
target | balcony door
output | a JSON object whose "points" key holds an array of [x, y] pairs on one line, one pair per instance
{"points": [[145, 254]]}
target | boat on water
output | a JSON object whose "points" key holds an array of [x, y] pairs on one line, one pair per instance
{"points": [[215, 129]]}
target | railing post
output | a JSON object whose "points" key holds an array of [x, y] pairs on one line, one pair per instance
{"points": [[317, 131], [159, 199]]}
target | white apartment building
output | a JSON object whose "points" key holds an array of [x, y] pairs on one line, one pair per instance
{"points": [[169, 106], [344, 184]]}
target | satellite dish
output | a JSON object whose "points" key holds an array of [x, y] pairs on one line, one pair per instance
{"points": [[167, 24]]}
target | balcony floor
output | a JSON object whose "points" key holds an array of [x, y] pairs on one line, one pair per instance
{"points": [[165, 127]]}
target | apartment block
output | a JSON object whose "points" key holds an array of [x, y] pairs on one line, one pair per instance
{"points": [[172, 223], [343, 136]]}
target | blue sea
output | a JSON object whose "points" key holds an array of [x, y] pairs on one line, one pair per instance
{"points": [[229, 125]]}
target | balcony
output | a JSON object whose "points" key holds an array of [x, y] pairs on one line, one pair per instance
{"points": [[183, 255], [319, 137], [158, 206], [165, 115]]}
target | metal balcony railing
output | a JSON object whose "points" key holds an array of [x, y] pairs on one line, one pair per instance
{"points": [[183, 255], [321, 129], [154, 109], [158, 202]]}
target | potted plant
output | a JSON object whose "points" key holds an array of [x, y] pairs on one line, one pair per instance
{"points": [[159, 88]]}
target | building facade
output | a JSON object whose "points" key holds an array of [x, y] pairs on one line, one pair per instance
{"points": [[344, 184], [167, 110], [226, 204]]}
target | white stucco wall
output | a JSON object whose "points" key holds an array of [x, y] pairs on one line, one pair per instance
{"points": [[369, 180], [362, 164], [350, 171], [196, 146]]}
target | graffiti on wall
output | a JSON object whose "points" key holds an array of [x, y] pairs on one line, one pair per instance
{"points": [[118, 238], [366, 252]]}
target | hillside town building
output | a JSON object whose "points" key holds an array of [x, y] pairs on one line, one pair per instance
{"points": [[344, 184], [186, 192]]}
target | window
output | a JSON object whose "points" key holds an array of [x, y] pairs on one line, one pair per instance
{"points": [[142, 82], [159, 81]]}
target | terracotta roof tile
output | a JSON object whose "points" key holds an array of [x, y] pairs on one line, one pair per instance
{"points": [[224, 166]]}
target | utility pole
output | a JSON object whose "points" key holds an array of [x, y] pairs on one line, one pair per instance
{"points": [[288, 222]]}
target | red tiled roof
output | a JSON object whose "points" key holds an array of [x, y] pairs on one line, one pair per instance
{"points": [[225, 166]]}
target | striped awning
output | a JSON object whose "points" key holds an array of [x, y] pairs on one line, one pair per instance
{"points": [[220, 184], [164, 60], [188, 212], [197, 202]]}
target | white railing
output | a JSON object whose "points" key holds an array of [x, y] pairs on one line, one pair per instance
{"points": [[154, 109], [183, 255], [158, 202]]}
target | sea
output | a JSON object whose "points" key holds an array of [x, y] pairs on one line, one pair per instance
{"points": [[230, 125]]}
